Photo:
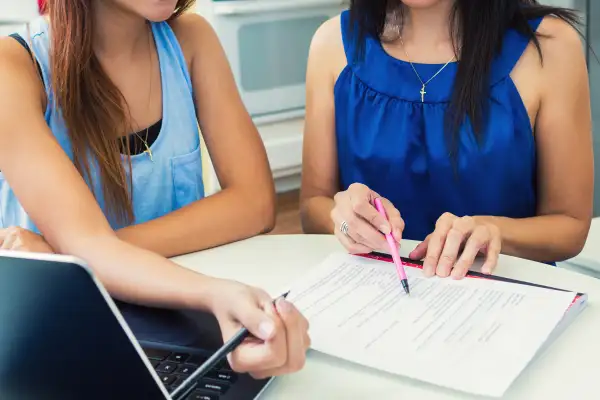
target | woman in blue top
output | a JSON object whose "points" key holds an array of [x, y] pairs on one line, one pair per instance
{"points": [[113, 98], [470, 118]]}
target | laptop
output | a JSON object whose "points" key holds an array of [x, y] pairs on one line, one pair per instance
{"points": [[62, 337]]}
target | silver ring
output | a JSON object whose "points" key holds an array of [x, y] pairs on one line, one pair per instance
{"points": [[344, 228]]}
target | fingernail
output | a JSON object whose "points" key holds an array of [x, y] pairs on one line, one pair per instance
{"points": [[397, 235], [266, 329], [385, 229], [284, 306], [270, 309], [428, 270], [441, 271]]}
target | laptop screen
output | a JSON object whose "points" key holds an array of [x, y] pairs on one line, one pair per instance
{"points": [[59, 337]]}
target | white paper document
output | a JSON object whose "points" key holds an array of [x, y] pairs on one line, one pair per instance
{"points": [[473, 335]]}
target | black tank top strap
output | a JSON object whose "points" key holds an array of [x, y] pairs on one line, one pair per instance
{"points": [[25, 45]]}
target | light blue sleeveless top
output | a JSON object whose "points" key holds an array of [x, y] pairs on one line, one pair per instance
{"points": [[174, 178], [395, 143]]}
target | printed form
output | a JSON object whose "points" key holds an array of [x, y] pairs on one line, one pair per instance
{"points": [[473, 335]]}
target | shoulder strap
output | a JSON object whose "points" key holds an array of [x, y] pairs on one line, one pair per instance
{"points": [[169, 48], [513, 46], [26, 46]]}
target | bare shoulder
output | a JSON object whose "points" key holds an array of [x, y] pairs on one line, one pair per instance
{"points": [[13, 56], [329, 35], [194, 34], [561, 43], [327, 40], [327, 47], [18, 74], [559, 32], [563, 61]]}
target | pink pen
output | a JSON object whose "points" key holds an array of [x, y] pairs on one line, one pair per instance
{"points": [[393, 249]]}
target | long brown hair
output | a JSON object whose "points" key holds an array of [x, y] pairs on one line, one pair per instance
{"points": [[93, 108]]}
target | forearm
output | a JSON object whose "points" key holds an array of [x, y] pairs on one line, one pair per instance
{"points": [[316, 215], [225, 217], [545, 238], [139, 276]]}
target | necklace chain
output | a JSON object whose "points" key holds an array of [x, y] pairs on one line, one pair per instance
{"points": [[148, 150], [424, 84]]}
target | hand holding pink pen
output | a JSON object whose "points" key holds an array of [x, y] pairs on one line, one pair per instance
{"points": [[393, 249]]}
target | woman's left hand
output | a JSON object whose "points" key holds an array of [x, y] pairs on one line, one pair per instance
{"points": [[19, 239], [455, 243]]}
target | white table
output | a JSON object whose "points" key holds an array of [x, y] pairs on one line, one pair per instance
{"points": [[569, 369]]}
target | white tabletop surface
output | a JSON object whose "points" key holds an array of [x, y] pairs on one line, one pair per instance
{"points": [[569, 369]]}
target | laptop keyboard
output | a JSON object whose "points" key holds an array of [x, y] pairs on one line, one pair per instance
{"points": [[174, 368]]}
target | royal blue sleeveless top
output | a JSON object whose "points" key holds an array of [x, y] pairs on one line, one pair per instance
{"points": [[391, 141], [173, 178]]}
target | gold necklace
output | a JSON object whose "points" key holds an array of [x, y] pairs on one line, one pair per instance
{"points": [[422, 92], [148, 150]]}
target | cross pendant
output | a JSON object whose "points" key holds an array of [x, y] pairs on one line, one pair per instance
{"points": [[423, 92], [149, 153]]}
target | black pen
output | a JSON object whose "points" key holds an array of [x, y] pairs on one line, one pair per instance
{"points": [[192, 381]]}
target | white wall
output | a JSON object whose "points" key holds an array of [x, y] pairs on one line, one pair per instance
{"points": [[15, 12]]}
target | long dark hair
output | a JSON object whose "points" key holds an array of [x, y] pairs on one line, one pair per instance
{"points": [[93, 108], [479, 26]]}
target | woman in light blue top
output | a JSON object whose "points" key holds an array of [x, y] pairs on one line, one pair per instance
{"points": [[101, 105]]}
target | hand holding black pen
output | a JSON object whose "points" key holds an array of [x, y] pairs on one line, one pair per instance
{"points": [[258, 349]]}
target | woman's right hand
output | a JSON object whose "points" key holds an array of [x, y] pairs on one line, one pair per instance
{"points": [[280, 331], [358, 224]]}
